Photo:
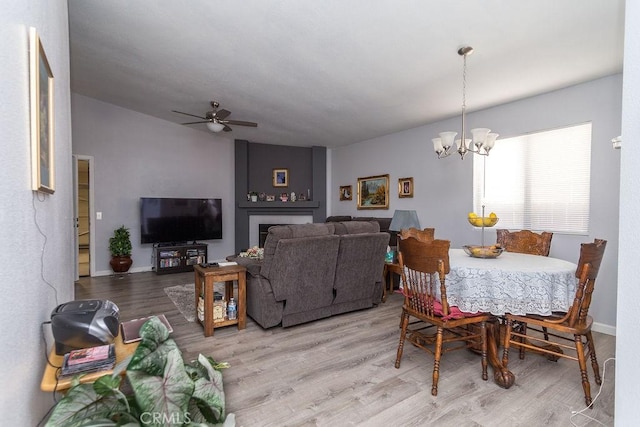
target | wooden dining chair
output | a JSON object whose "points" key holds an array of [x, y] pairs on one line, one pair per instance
{"points": [[573, 326], [426, 235], [424, 268], [525, 241]]}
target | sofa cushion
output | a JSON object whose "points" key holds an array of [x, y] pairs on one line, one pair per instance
{"points": [[278, 232]]}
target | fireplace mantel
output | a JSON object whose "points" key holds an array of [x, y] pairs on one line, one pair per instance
{"points": [[306, 204]]}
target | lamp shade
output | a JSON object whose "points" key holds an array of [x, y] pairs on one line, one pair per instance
{"points": [[215, 126], [404, 219]]}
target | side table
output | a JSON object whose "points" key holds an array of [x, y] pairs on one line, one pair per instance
{"points": [[50, 382], [389, 269], [204, 280]]}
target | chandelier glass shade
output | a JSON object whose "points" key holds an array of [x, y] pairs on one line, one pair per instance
{"points": [[482, 139]]}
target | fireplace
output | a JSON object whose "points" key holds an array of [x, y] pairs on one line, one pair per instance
{"points": [[259, 226], [263, 230]]}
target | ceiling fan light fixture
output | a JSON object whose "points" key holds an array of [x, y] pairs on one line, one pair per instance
{"points": [[215, 126]]}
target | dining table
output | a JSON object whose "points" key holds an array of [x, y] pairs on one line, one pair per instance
{"points": [[511, 283]]}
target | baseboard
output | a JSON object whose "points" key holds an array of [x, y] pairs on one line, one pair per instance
{"points": [[604, 329], [131, 270]]}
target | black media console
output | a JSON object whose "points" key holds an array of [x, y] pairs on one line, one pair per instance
{"points": [[178, 258]]}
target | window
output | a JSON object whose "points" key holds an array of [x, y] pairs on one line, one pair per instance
{"points": [[538, 181]]}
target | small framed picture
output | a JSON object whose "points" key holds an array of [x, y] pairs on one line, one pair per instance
{"points": [[346, 192], [281, 177], [405, 187]]}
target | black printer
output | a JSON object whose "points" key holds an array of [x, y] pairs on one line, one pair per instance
{"points": [[84, 323]]}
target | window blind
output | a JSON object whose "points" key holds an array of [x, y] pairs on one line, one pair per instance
{"points": [[538, 181]]}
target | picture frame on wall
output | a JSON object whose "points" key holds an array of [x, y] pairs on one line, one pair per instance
{"points": [[373, 192], [346, 192], [405, 187], [280, 177], [42, 116]]}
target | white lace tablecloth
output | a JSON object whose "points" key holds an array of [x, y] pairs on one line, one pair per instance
{"points": [[512, 283]]}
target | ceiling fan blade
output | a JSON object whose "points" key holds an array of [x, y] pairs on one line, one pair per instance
{"points": [[187, 114], [222, 114], [193, 123], [241, 123], [227, 128]]}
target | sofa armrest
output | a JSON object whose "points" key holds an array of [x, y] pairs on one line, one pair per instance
{"points": [[252, 265]]}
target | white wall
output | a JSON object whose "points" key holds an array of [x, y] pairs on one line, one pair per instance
{"points": [[35, 276], [627, 346], [443, 188], [140, 156]]}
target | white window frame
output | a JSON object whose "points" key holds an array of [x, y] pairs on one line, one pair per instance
{"points": [[538, 181]]}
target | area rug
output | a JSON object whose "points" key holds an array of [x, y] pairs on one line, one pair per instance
{"points": [[183, 296]]}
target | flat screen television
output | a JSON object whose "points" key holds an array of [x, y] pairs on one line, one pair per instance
{"points": [[172, 220]]}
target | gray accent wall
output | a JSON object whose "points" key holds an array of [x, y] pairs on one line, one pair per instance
{"points": [[443, 187], [254, 164], [141, 156]]}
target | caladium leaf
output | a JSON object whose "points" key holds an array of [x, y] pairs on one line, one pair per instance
{"points": [[167, 394], [207, 402], [82, 404]]}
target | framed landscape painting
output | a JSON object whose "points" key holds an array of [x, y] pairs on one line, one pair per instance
{"points": [[373, 192], [41, 94]]}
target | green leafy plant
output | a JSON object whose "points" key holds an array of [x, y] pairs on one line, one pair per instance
{"points": [[160, 389], [120, 243]]}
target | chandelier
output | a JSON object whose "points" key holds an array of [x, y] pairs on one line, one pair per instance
{"points": [[482, 139]]}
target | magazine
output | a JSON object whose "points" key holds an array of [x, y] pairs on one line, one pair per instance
{"points": [[131, 328], [86, 360]]}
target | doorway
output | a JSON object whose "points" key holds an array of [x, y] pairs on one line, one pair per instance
{"points": [[83, 205]]}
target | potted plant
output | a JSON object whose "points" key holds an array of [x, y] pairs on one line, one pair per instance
{"points": [[254, 196], [158, 388], [120, 248]]}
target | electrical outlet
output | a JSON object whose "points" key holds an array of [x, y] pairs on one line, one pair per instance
{"points": [[98, 215]]}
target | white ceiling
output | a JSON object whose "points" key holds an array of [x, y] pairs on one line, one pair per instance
{"points": [[335, 72]]}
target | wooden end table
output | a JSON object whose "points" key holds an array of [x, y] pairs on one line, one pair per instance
{"points": [[204, 280], [389, 269], [49, 382]]}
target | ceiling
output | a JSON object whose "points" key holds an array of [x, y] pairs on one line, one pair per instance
{"points": [[335, 72]]}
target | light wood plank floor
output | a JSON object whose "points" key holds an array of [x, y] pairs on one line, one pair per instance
{"points": [[340, 371]]}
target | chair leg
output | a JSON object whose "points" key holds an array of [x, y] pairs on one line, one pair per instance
{"points": [[594, 360], [507, 343], [483, 337], [523, 330], [436, 362], [404, 323], [583, 369]]}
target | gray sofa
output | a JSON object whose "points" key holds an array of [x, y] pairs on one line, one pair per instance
{"points": [[313, 271]]}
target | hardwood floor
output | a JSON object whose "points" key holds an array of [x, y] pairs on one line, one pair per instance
{"points": [[340, 371]]}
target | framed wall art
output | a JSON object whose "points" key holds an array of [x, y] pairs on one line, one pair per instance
{"points": [[346, 192], [405, 187], [42, 117], [373, 192], [280, 177]]}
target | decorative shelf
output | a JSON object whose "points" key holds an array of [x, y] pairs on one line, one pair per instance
{"points": [[300, 204]]}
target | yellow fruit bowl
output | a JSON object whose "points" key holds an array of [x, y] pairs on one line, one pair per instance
{"points": [[479, 221], [483, 251]]}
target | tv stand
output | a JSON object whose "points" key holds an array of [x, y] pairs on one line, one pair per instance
{"points": [[178, 258]]}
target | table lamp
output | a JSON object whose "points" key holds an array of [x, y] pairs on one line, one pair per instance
{"points": [[404, 219], [401, 220]]}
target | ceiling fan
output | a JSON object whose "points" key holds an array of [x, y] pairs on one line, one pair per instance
{"points": [[216, 120]]}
